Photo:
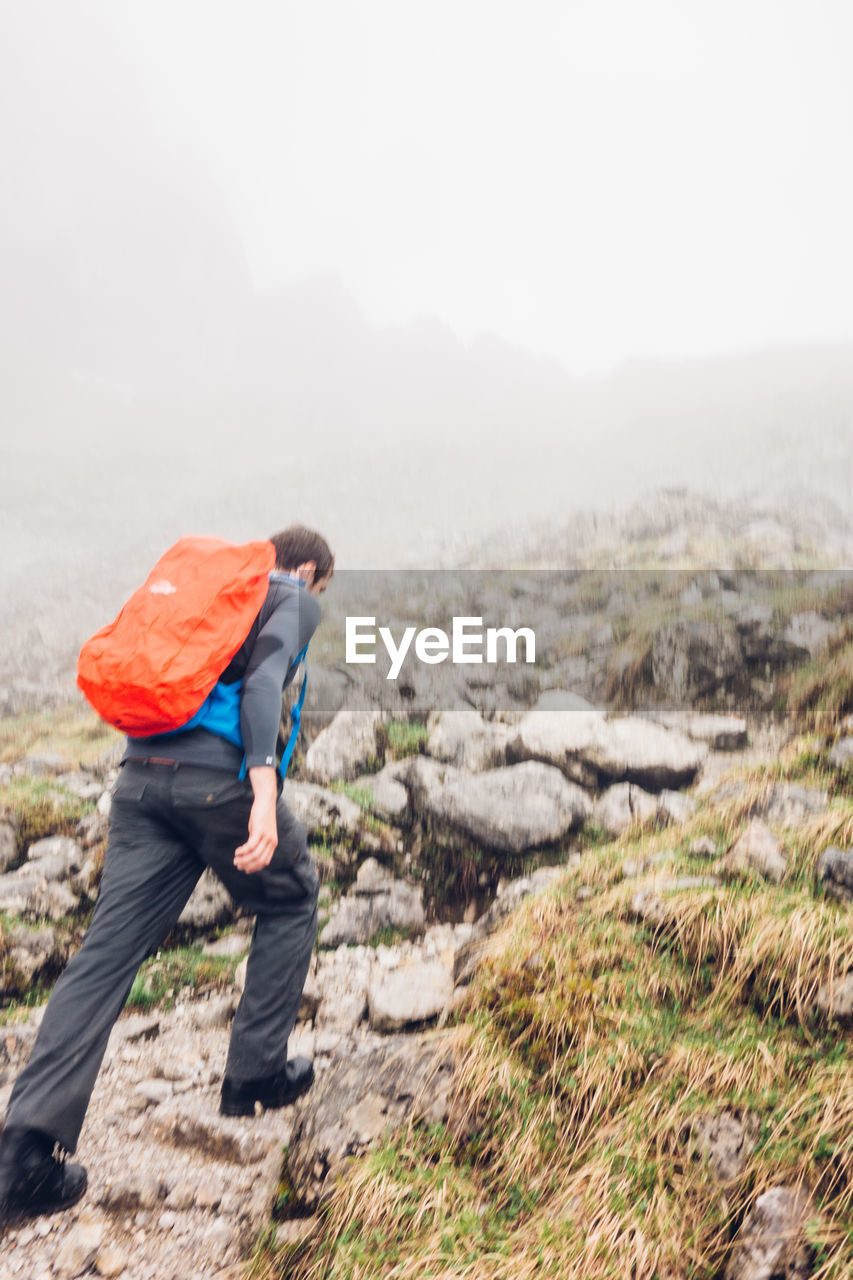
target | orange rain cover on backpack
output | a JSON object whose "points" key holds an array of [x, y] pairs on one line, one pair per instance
{"points": [[150, 670]]}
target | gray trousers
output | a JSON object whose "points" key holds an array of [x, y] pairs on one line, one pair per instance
{"points": [[166, 826]]}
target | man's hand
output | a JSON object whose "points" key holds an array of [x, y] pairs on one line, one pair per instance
{"points": [[256, 853]]}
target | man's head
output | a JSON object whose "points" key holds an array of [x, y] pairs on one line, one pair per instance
{"points": [[305, 554]]}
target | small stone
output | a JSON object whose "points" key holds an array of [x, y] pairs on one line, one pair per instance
{"points": [[110, 1261], [181, 1196], [167, 1220], [79, 1249], [208, 1194], [704, 847]]}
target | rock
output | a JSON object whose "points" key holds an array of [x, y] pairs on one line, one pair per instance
{"points": [[56, 857], [835, 871], [649, 907], [218, 1011], [188, 1125], [756, 852], [30, 951], [110, 1261], [720, 733], [8, 845], [590, 749], [79, 1249], [675, 807], [86, 880], [210, 904], [229, 945], [414, 993], [637, 750], [312, 996], [378, 901], [390, 797], [332, 814], [841, 755], [342, 750], [623, 805], [809, 632], [463, 738], [704, 847], [49, 764], [343, 978], [835, 999], [725, 1140], [152, 1092], [790, 804], [80, 784], [371, 1091], [769, 1245], [559, 738], [29, 892], [504, 810], [690, 659], [92, 829]]}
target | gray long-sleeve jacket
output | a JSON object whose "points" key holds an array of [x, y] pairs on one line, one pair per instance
{"points": [[266, 663]]}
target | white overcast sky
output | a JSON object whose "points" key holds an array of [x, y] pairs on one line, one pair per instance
{"points": [[595, 180]]}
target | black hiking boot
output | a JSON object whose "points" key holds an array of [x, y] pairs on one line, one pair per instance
{"points": [[33, 1179], [273, 1091]]}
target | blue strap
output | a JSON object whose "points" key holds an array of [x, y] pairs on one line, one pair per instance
{"points": [[295, 718], [220, 714]]}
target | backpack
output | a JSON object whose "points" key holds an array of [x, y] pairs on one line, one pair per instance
{"points": [[150, 670]]}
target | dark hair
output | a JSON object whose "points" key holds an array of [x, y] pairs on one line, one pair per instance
{"points": [[296, 545]]}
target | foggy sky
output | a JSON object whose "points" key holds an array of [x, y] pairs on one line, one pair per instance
{"points": [[591, 179]]}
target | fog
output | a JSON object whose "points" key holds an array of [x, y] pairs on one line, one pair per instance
{"points": [[418, 281]]}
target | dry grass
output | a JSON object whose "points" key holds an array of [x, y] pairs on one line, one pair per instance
{"points": [[588, 1045]]}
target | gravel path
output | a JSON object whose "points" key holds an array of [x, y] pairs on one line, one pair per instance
{"points": [[176, 1191]]}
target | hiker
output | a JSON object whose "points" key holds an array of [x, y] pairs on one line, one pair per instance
{"points": [[183, 802]]}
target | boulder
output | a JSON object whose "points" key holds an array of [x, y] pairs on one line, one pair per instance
{"points": [[690, 659], [210, 904], [590, 750], [504, 810], [756, 852], [637, 750], [559, 738], [413, 993], [835, 871], [362, 1096], [769, 1245], [29, 892], [463, 738], [623, 805], [56, 857], [345, 748], [377, 901]]}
